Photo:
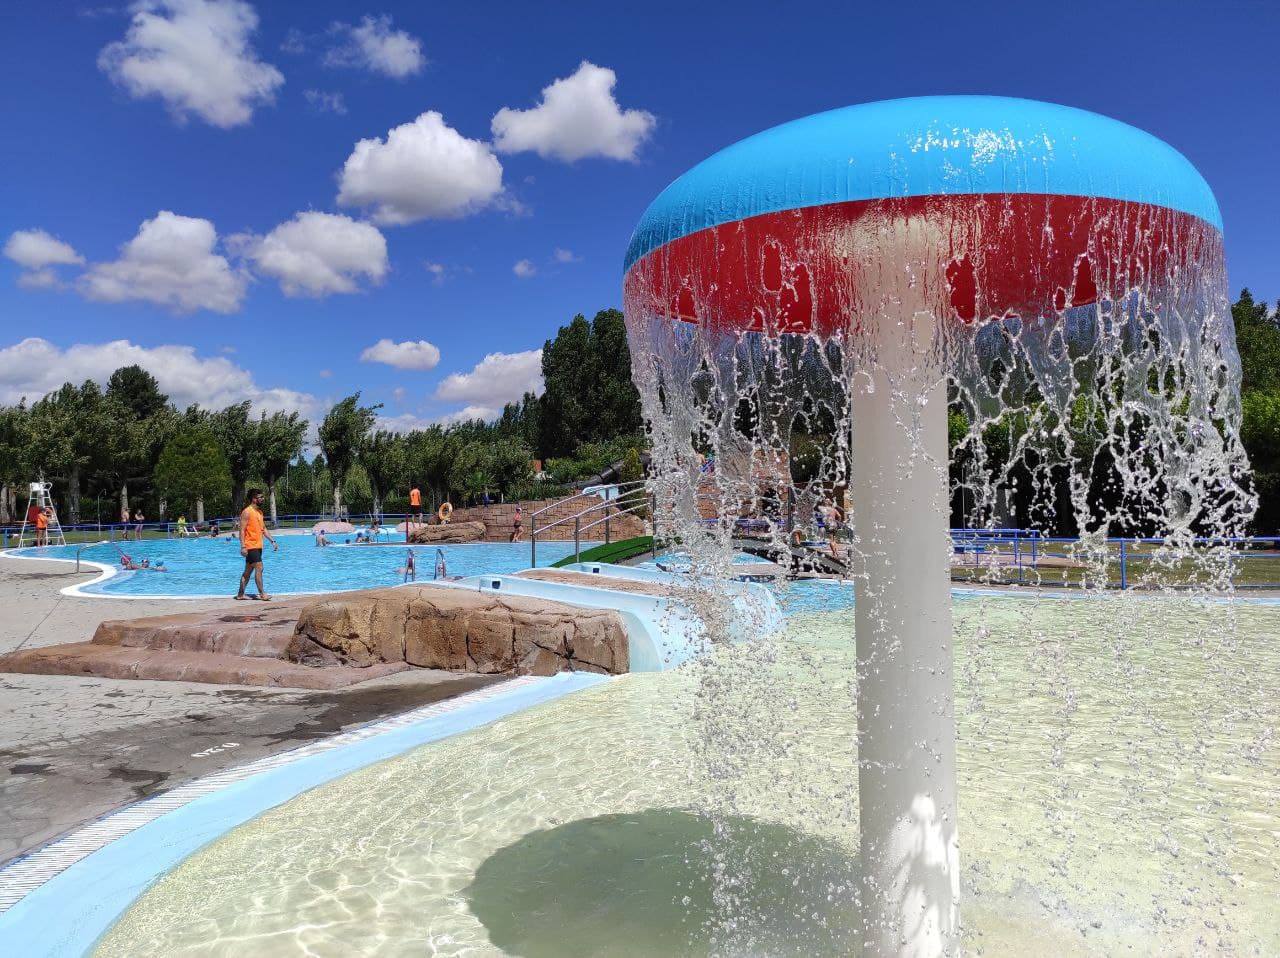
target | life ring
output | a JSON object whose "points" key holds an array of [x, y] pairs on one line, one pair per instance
{"points": [[445, 511]]}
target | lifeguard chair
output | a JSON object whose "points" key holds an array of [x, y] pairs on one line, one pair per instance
{"points": [[38, 496]]}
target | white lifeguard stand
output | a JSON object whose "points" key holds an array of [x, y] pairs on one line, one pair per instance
{"points": [[38, 495]]}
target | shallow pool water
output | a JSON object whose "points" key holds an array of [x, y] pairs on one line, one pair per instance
{"points": [[1119, 780], [213, 566]]}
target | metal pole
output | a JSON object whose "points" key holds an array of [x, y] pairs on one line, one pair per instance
{"points": [[903, 638], [533, 543], [1124, 579], [577, 548]]}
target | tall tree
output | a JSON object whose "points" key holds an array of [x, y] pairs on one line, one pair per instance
{"points": [[137, 391], [141, 422], [191, 469], [65, 431], [589, 394], [14, 457], [280, 439], [238, 436], [341, 433], [382, 454]]}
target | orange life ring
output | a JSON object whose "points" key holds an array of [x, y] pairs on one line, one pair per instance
{"points": [[444, 512]]}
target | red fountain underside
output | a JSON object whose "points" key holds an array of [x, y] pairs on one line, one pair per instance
{"points": [[800, 270]]}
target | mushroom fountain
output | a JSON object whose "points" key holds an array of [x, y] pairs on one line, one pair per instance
{"points": [[846, 279]]}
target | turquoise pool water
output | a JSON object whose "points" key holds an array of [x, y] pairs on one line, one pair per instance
{"points": [[198, 567]]}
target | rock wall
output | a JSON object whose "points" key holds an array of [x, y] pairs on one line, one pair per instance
{"points": [[499, 519], [460, 630]]}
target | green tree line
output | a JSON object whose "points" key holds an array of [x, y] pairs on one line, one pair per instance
{"points": [[126, 446]]}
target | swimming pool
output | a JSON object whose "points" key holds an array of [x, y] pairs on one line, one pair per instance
{"points": [[1119, 794], [212, 567]]}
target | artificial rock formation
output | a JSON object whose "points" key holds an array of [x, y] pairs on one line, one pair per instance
{"points": [[459, 629], [446, 532]]}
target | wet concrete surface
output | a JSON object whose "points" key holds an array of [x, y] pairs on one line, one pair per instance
{"points": [[80, 748], [73, 748]]}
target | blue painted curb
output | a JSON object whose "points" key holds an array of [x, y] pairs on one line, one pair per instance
{"points": [[68, 914]]}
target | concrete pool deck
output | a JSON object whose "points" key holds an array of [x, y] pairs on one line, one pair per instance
{"points": [[75, 748]]}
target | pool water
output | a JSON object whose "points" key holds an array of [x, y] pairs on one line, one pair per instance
{"points": [[200, 567], [1119, 793]]}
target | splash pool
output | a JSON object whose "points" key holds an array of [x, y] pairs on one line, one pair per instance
{"points": [[1120, 792], [212, 567]]}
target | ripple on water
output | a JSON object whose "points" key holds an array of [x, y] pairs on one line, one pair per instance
{"points": [[1119, 792]]}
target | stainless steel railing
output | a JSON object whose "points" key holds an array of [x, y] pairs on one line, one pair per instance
{"points": [[623, 489]]}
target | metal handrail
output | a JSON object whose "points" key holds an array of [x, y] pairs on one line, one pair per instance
{"points": [[534, 528], [578, 529]]}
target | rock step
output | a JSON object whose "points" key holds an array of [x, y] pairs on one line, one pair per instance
{"points": [[256, 629], [121, 662]]}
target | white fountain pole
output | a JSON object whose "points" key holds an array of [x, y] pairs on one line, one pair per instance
{"points": [[906, 720]]}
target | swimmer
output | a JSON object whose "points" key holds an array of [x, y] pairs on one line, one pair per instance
{"points": [[321, 541]]}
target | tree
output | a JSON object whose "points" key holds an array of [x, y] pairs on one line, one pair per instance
{"points": [[192, 468], [238, 436], [137, 392], [141, 422], [341, 434], [430, 455], [1258, 340], [383, 456], [14, 467], [64, 436], [279, 442], [589, 394]]}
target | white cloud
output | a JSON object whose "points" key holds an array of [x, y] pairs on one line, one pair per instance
{"points": [[326, 374], [578, 117], [195, 56], [373, 45], [407, 355], [468, 414], [497, 379], [524, 269], [295, 42], [403, 422], [39, 279], [170, 262], [36, 249], [35, 367], [399, 393], [438, 271], [566, 256], [316, 254], [323, 102], [423, 170]]}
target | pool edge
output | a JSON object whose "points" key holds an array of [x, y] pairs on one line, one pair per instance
{"points": [[98, 871]]}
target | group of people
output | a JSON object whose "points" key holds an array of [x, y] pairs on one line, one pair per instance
{"points": [[132, 526]]}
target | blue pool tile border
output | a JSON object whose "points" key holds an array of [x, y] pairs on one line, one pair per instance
{"points": [[65, 897]]}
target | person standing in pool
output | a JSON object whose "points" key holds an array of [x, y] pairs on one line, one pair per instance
{"points": [[517, 525], [253, 528]]}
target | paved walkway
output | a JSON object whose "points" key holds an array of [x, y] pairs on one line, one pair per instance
{"points": [[72, 749]]}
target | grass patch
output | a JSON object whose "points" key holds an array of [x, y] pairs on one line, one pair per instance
{"points": [[612, 552]]}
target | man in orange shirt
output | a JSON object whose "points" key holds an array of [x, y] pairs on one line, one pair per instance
{"points": [[42, 527], [253, 528], [415, 504]]}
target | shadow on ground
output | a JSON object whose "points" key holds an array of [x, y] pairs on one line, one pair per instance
{"points": [[641, 885]]}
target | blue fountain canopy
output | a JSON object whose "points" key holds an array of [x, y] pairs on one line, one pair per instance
{"points": [[925, 146]]}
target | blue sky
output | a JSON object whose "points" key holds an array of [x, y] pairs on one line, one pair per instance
{"points": [[270, 280]]}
